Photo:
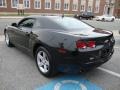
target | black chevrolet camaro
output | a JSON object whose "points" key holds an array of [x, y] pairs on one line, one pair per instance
{"points": [[61, 43]]}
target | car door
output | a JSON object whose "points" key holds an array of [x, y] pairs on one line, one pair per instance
{"points": [[105, 17], [108, 18], [22, 35]]}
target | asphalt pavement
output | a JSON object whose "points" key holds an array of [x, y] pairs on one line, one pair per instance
{"points": [[18, 70]]}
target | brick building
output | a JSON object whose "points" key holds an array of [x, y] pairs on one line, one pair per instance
{"points": [[98, 7], [117, 9]]}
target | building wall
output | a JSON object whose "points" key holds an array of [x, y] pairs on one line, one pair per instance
{"points": [[52, 10], [117, 9]]}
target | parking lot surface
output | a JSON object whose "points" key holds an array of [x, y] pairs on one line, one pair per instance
{"points": [[18, 70]]}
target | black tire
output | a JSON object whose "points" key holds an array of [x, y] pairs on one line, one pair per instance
{"points": [[51, 67], [7, 40], [103, 19], [80, 18], [112, 19]]}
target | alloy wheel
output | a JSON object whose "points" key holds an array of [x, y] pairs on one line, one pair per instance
{"points": [[43, 61]]}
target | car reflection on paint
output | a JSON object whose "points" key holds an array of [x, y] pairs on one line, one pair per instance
{"points": [[61, 43]]}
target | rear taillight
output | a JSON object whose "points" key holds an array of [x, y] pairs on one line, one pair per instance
{"points": [[83, 45], [91, 44]]}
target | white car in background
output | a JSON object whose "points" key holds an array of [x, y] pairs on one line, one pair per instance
{"points": [[105, 18]]}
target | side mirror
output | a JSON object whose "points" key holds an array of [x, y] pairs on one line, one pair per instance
{"points": [[14, 24]]}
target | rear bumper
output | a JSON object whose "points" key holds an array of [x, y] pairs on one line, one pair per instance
{"points": [[84, 60]]}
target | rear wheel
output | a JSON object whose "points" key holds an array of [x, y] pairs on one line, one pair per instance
{"points": [[7, 40], [103, 19], [112, 20], [80, 18], [45, 62]]}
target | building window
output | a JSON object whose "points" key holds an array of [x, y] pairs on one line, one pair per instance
{"points": [[66, 4], [26, 3], [83, 5], [37, 4], [75, 5], [14, 3], [110, 1], [47, 4], [3, 3], [57, 4], [89, 9], [90, 6], [97, 6]]}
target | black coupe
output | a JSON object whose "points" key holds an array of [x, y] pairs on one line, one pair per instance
{"points": [[61, 43]]}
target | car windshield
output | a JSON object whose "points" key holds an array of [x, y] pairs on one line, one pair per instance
{"points": [[87, 13], [72, 23]]}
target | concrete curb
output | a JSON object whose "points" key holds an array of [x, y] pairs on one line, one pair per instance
{"points": [[11, 17], [117, 19]]}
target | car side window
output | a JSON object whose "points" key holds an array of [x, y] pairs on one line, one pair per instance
{"points": [[37, 24], [28, 23]]}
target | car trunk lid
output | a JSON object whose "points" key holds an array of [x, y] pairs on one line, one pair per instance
{"points": [[93, 33]]}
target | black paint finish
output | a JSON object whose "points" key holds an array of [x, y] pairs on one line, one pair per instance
{"points": [[34, 31]]}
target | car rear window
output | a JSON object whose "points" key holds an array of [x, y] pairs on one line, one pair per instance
{"points": [[65, 23], [72, 23]]}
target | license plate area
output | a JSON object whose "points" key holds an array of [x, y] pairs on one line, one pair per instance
{"points": [[105, 53]]}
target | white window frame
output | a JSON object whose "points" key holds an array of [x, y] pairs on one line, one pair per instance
{"points": [[37, 4], [46, 1], [82, 9], [97, 4], [89, 8], [67, 2], [24, 4], [12, 4], [5, 4], [83, 3], [57, 2], [75, 4], [90, 4]]}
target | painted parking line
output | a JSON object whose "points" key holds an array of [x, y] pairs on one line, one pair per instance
{"points": [[70, 82], [109, 71], [74, 82]]}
